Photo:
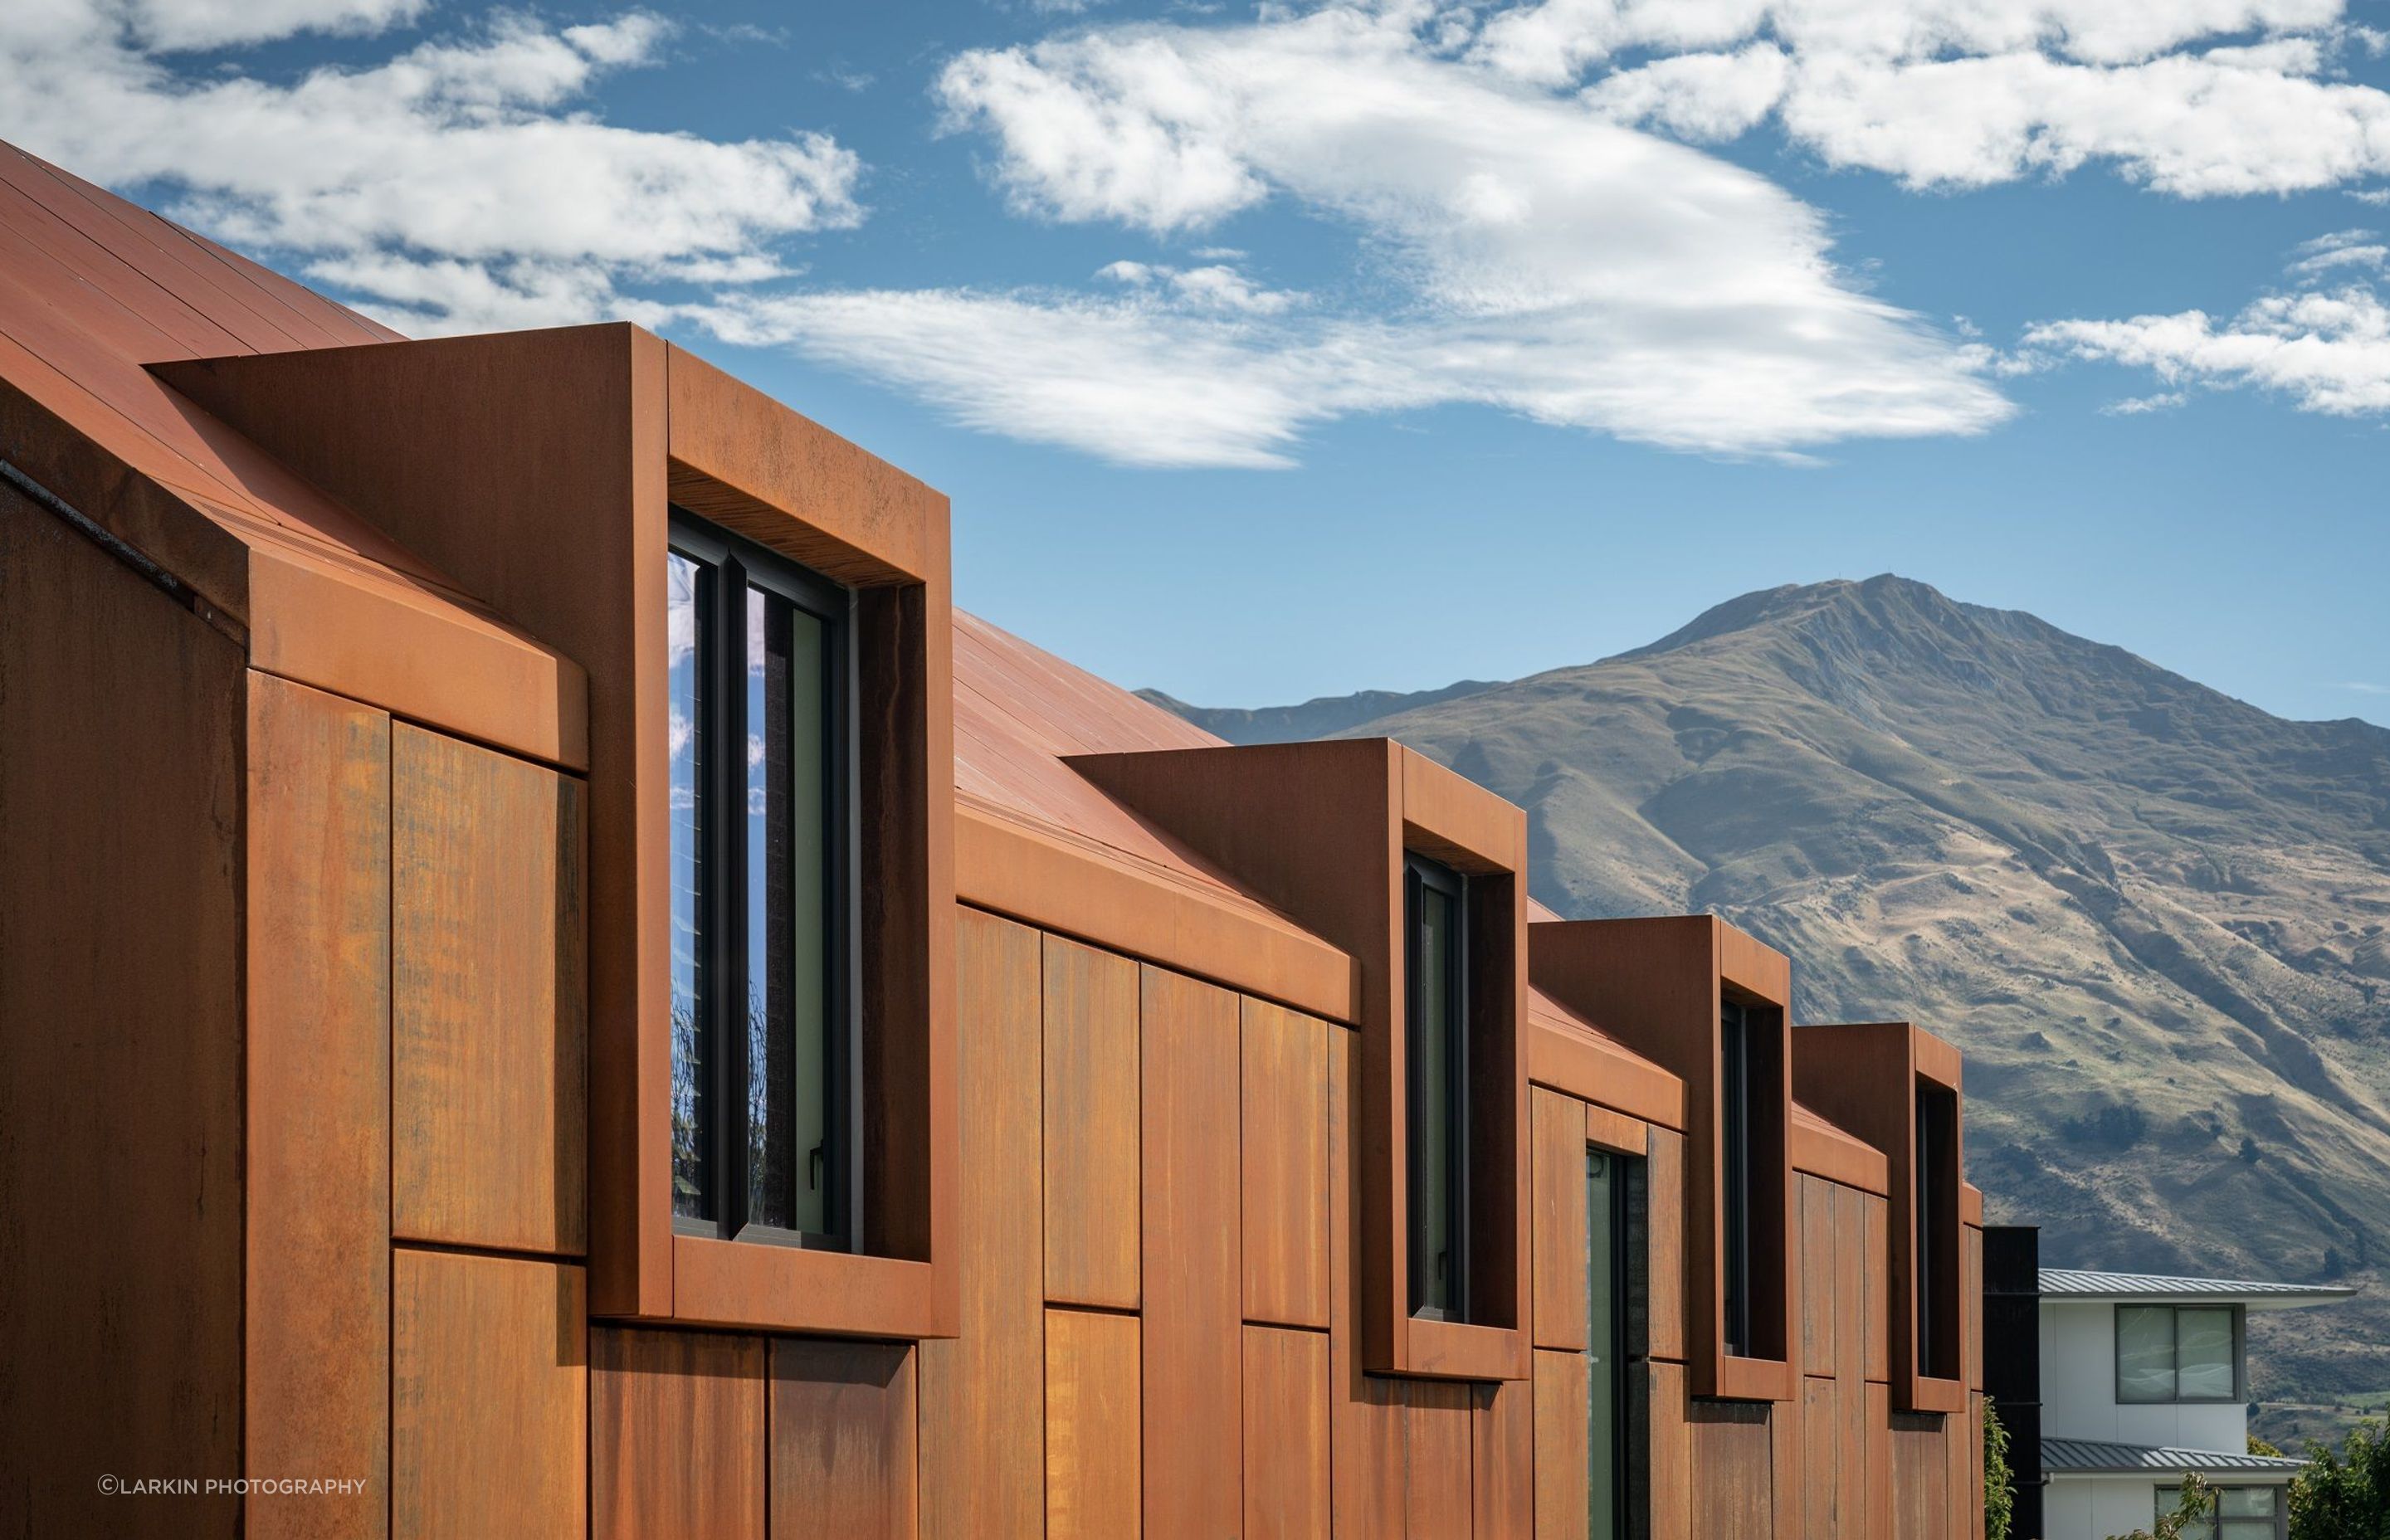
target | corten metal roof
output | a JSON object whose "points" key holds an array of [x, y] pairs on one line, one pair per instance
{"points": [[94, 290], [2062, 1457], [2076, 1283]]}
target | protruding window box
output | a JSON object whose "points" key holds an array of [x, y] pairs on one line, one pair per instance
{"points": [[1896, 1086], [554, 472], [1420, 877], [1708, 1004]]}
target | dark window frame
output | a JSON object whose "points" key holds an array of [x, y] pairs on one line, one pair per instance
{"points": [[2240, 1353], [1625, 1241], [1735, 1276], [729, 564], [1422, 874]]}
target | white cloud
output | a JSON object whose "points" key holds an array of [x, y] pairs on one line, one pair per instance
{"points": [[2134, 407], [1967, 92], [463, 176], [2326, 349], [1518, 251], [1697, 96]]}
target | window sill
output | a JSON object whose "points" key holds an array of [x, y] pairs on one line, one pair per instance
{"points": [[1738, 1379], [764, 1287], [1928, 1394], [1455, 1350]]}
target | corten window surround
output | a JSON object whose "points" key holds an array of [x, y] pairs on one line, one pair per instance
{"points": [[1322, 831], [1870, 1079], [1659, 986], [538, 468]]}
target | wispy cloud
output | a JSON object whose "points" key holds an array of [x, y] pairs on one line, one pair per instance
{"points": [[2361, 687], [2323, 341], [2358, 249]]}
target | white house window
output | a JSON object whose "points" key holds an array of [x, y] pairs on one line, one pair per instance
{"points": [[2242, 1513], [2169, 1352]]}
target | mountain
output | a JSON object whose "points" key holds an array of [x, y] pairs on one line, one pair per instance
{"points": [[1323, 716], [2153, 915]]}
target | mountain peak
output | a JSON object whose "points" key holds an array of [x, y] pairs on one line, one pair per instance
{"points": [[1888, 597]]}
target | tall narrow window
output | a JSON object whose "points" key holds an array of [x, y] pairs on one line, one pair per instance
{"points": [[1735, 1183], [1436, 969], [1935, 1244], [1612, 1471], [763, 1015]]}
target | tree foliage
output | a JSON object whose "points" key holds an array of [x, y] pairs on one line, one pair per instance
{"points": [[2345, 1496]]}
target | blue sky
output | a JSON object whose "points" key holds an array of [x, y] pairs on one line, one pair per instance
{"points": [[1283, 352]]}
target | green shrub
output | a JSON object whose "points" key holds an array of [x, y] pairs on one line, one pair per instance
{"points": [[1999, 1483]]}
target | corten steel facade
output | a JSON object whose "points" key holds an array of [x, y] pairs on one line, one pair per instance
{"points": [[336, 1129]]}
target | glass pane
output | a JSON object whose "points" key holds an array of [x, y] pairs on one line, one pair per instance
{"points": [[1432, 1133], [1603, 1203], [2246, 1502], [687, 604], [2249, 1528], [2145, 1353], [790, 1162], [2204, 1355]]}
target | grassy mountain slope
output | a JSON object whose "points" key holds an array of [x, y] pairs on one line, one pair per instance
{"points": [[2157, 918]]}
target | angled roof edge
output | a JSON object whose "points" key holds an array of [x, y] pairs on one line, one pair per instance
{"points": [[2079, 1283], [2084, 1457], [94, 292]]}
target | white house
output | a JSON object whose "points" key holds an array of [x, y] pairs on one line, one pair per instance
{"points": [[2143, 1380]]}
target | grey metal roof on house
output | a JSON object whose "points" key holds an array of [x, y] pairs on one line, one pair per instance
{"points": [[2060, 1283], [2096, 1457]]}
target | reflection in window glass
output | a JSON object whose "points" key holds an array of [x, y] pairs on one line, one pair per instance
{"points": [[2204, 1355], [760, 716], [2144, 1353], [788, 874], [687, 609], [2178, 1353]]}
